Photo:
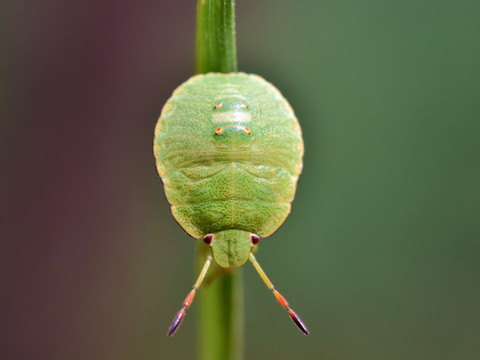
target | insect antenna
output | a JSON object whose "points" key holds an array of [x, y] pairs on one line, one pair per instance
{"points": [[293, 315], [189, 299]]}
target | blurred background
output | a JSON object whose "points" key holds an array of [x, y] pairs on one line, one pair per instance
{"points": [[380, 255]]}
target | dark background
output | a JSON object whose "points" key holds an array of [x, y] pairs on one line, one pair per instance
{"points": [[380, 254]]}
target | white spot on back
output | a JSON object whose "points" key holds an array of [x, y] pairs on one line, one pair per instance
{"points": [[234, 117]]}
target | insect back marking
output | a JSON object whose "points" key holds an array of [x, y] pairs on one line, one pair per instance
{"points": [[232, 103], [232, 113]]}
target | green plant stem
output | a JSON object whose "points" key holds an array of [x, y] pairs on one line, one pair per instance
{"points": [[216, 50], [220, 324]]}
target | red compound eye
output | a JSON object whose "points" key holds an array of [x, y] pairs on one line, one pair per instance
{"points": [[255, 239], [208, 239]]}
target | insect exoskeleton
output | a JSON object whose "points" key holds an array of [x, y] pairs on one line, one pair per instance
{"points": [[229, 150]]}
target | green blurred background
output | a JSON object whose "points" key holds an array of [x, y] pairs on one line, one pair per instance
{"points": [[380, 255]]}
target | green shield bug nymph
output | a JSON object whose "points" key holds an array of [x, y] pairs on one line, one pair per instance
{"points": [[229, 151]]}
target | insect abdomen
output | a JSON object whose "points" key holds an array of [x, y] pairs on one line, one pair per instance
{"points": [[229, 151]]}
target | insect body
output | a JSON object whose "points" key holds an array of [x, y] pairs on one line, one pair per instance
{"points": [[229, 151]]}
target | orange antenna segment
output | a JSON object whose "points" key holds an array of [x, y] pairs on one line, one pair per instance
{"points": [[189, 299], [293, 315]]}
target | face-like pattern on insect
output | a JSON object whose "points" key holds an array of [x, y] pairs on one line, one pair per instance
{"points": [[229, 151]]}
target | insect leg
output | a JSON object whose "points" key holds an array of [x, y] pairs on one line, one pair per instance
{"points": [[189, 299], [293, 315]]}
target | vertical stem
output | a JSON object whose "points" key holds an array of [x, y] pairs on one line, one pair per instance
{"points": [[220, 327], [221, 314], [215, 49]]}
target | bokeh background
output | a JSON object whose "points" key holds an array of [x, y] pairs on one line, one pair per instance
{"points": [[380, 254]]}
